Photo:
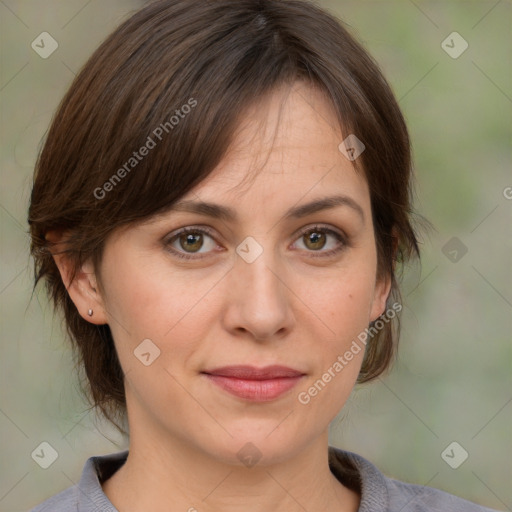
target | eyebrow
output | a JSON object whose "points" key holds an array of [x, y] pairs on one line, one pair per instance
{"points": [[229, 214]]}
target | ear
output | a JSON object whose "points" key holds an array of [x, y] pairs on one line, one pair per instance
{"points": [[84, 290], [380, 297], [383, 285]]}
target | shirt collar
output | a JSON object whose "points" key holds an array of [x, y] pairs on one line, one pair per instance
{"points": [[349, 468]]}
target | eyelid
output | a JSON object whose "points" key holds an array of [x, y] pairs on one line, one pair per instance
{"points": [[179, 231], [320, 226]]}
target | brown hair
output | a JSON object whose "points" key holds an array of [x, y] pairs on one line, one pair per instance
{"points": [[183, 72]]}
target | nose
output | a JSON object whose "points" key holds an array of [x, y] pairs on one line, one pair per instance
{"points": [[259, 299]]}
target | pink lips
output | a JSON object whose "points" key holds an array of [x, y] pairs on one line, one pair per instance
{"points": [[256, 384]]}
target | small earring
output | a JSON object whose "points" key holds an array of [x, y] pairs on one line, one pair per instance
{"points": [[89, 312]]}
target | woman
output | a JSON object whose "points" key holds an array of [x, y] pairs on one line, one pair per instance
{"points": [[218, 210]]}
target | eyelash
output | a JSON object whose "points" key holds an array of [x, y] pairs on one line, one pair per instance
{"points": [[205, 230]]}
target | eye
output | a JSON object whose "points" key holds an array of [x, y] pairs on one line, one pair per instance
{"points": [[316, 238], [190, 240]]}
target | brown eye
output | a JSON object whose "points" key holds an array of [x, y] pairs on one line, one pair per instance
{"points": [[314, 240], [191, 242], [188, 242], [317, 238]]}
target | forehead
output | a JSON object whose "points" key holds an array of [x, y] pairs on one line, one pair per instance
{"points": [[285, 149]]}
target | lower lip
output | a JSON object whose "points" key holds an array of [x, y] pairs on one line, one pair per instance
{"points": [[255, 390]]}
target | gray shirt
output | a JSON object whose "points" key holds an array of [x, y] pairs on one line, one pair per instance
{"points": [[379, 493]]}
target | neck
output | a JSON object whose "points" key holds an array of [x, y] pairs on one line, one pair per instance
{"points": [[158, 473]]}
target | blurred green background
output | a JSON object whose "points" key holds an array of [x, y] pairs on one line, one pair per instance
{"points": [[452, 380]]}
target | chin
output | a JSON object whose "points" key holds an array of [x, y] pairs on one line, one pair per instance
{"points": [[259, 443]]}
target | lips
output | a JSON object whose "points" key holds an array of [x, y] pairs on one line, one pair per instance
{"points": [[252, 373], [256, 384]]}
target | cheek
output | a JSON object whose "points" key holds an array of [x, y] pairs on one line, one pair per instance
{"points": [[341, 308], [342, 300], [152, 302], [347, 317], [337, 362]]}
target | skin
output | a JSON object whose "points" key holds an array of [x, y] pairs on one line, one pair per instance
{"points": [[291, 306]]}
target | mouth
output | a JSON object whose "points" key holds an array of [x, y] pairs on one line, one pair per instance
{"points": [[255, 384]]}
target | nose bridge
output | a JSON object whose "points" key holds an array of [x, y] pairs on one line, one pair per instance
{"points": [[260, 276], [259, 296]]}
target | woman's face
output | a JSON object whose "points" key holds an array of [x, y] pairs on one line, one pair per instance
{"points": [[261, 288]]}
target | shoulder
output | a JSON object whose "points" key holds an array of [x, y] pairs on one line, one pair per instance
{"points": [[380, 493], [86, 495], [65, 501], [420, 498]]}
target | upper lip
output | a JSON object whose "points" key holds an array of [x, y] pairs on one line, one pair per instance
{"points": [[252, 373]]}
